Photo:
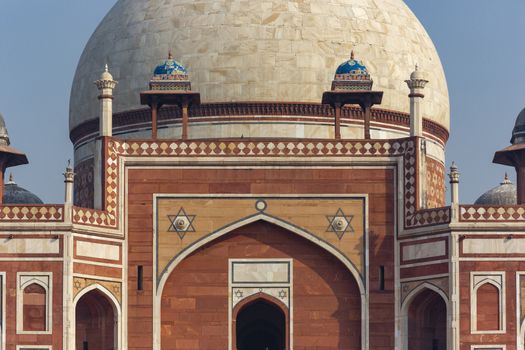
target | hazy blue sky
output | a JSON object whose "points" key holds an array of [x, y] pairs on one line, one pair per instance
{"points": [[480, 42]]}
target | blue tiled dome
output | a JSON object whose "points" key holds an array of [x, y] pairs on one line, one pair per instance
{"points": [[352, 75], [352, 66], [170, 67]]}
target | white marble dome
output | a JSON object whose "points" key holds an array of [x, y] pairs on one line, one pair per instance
{"points": [[264, 50]]}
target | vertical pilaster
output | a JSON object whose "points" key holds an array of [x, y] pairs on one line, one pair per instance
{"points": [[337, 129], [185, 119]]}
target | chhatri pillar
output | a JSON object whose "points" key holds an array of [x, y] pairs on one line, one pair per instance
{"points": [[514, 156], [170, 85], [9, 156], [352, 85]]}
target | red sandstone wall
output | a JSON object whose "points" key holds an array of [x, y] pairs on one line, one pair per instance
{"points": [[377, 183], [509, 337], [326, 297], [13, 339]]}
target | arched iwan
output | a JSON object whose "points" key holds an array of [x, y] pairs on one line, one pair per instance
{"points": [[238, 224]]}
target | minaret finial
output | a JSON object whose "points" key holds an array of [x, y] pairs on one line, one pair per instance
{"points": [[106, 68], [417, 66], [170, 55], [352, 55], [11, 178]]}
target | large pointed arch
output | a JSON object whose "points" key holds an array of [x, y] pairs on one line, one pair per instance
{"points": [[425, 286], [160, 283], [115, 304]]}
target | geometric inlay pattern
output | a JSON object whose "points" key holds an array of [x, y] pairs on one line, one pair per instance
{"points": [[181, 223], [339, 223]]}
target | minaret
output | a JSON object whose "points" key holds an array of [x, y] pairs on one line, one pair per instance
{"points": [[105, 85], [69, 176], [454, 191], [416, 84]]}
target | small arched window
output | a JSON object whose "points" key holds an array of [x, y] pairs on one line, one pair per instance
{"points": [[488, 308], [34, 308]]}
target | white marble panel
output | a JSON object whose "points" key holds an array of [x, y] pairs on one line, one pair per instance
{"points": [[424, 250], [493, 246], [98, 250], [260, 272], [29, 246]]}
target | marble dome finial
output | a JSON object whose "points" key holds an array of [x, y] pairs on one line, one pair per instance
{"points": [[11, 179], [506, 180]]}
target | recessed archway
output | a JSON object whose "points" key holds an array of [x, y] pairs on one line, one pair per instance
{"points": [[195, 298], [426, 319], [260, 323], [96, 322]]}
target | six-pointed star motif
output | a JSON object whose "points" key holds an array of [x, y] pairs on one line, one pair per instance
{"points": [[339, 223], [181, 223]]}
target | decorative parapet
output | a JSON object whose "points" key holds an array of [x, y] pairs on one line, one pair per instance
{"points": [[32, 213], [93, 217], [428, 217], [274, 111], [484, 213], [404, 148]]}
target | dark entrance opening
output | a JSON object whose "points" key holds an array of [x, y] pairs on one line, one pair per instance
{"points": [[95, 322], [261, 325], [427, 322]]}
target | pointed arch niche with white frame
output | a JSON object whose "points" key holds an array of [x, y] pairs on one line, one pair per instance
{"points": [[406, 305], [43, 280], [479, 279], [117, 313]]}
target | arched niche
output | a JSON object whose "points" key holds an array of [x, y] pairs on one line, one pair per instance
{"points": [[425, 319], [97, 320]]}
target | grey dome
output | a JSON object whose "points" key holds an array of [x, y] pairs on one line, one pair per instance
{"points": [[14, 194], [504, 194], [518, 133]]}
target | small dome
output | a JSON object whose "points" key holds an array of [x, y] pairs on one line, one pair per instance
{"points": [[518, 133], [417, 74], [504, 194], [352, 75], [106, 75], [14, 194], [170, 68], [352, 67]]}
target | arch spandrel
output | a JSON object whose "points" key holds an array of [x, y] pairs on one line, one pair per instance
{"points": [[184, 223]]}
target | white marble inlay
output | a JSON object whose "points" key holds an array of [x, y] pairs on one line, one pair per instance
{"points": [[494, 246], [29, 246], [424, 250], [98, 250], [260, 272]]}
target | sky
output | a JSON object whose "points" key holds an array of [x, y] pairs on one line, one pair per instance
{"points": [[481, 48]]}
